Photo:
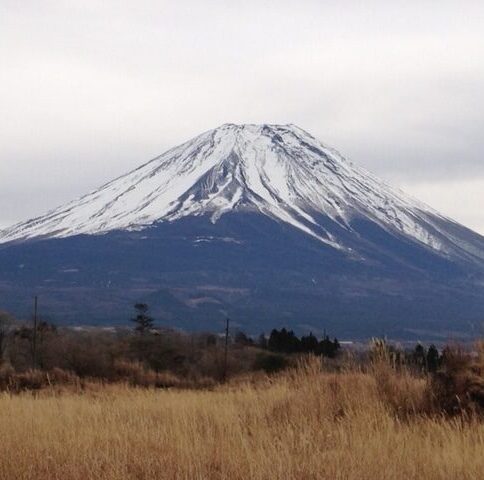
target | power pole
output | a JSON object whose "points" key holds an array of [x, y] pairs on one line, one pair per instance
{"points": [[226, 349], [34, 336]]}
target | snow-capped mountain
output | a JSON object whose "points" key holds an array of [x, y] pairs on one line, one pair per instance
{"points": [[278, 170], [241, 207]]}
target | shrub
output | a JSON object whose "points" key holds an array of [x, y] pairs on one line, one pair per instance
{"points": [[458, 386], [270, 363]]}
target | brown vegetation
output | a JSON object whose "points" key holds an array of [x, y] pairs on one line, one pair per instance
{"points": [[304, 423], [152, 359], [153, 405]]}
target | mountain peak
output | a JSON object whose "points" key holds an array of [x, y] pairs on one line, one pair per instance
{"points": [[254, 126], [279, 171], [262, 129]]}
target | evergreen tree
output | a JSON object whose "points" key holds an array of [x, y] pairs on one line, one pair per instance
{"points": [[420, 356], [309, 344], [262, 341], [433, 359], [242, 339], [284, 341], [327, 348], [143, 322], [274, 342]]}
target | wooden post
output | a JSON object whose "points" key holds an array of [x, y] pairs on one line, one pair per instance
{"points": [[226, 349], [34, 336]]}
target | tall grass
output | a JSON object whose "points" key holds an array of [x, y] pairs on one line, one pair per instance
{"points": [[301, 424]]}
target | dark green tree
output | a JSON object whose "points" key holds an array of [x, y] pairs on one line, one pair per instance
{"points": [[433, 359], [309, 344], [262, 341], [284, 341], [143, 322], [420, 357], [327, 348], [270, 362], [242, 339]]}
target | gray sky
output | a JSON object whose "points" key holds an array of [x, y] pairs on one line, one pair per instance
{"points": [[89, 90]]}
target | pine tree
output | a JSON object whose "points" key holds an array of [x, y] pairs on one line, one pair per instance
{"points": [[262, 341], [144, 323], [420, 356], [309, 344], [433, 359], [242, 339]]}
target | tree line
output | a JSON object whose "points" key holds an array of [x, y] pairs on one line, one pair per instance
{"points": [[286, 341], [101, 353]]}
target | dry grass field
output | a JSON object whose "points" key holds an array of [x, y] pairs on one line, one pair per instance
{"points": [[301, 424]]}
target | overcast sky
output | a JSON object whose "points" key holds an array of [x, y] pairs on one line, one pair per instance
{"points": [[92, 89]]}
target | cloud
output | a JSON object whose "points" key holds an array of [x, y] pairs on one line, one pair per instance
{"points": [[459, 199], [92, 89]]}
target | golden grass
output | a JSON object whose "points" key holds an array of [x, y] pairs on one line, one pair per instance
{"points": [[303, 424]]}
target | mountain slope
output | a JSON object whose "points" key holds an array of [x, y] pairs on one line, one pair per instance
{"points": [[263, 210], [280, 171]]}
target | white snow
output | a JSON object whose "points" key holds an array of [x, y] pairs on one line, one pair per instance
{"points": [[278, 170]]}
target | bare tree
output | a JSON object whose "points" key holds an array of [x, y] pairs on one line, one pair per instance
{"points": [[6, 322]]}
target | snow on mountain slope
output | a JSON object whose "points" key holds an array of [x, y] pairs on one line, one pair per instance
{"points": [[278, 170]]}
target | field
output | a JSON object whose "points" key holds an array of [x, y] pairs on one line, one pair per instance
{"points": [[305, 423]]}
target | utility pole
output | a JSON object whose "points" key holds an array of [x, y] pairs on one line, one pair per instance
{"points": [[34, 336], [226, 349]]}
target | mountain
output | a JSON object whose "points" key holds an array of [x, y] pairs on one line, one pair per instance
{"points": [[260, 222]]}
